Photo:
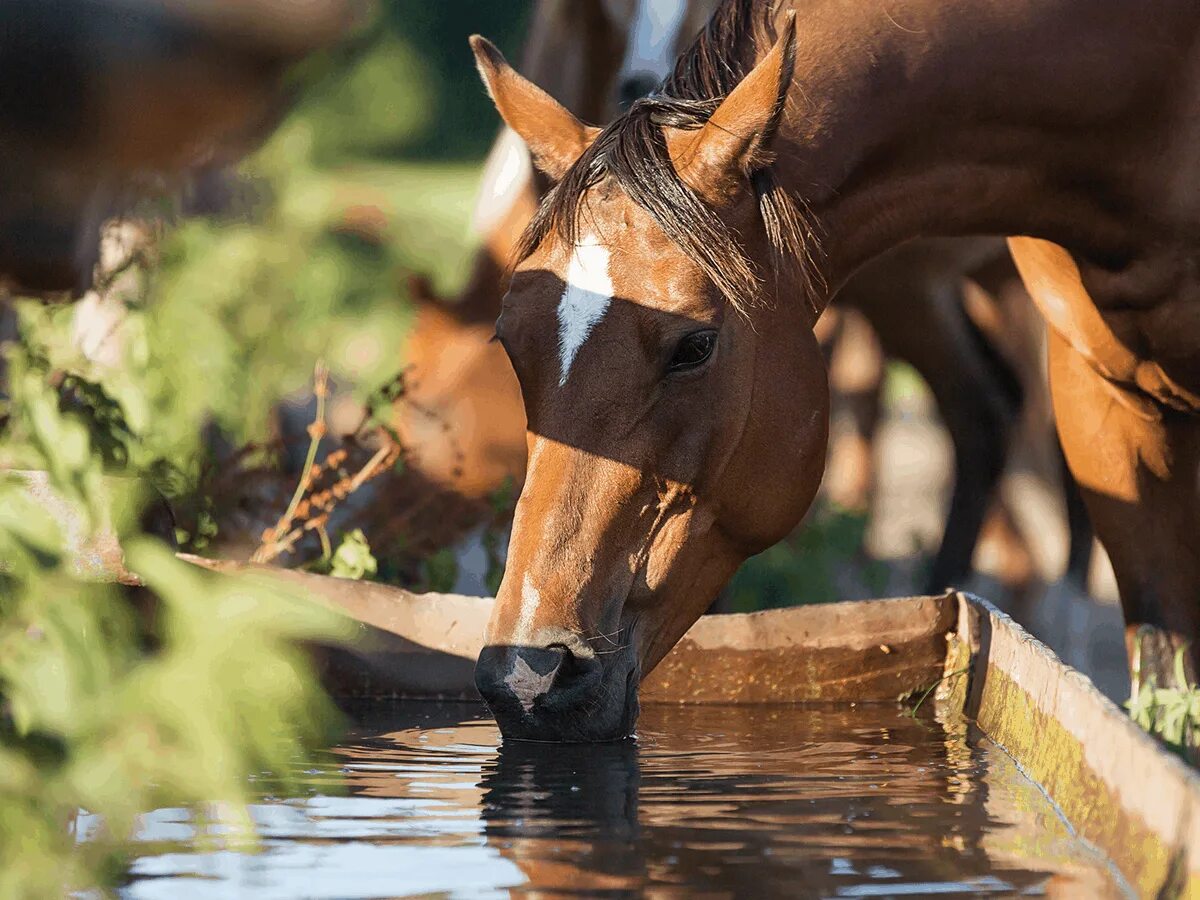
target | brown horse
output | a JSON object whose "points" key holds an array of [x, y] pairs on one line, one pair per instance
{"points": [[660, 323], [465, 424]]}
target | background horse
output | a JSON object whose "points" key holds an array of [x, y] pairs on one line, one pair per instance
{"points": [[103, 99], [462, 416], [661, 321]]}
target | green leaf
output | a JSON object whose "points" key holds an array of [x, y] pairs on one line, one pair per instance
{"points": [[353, 558]]}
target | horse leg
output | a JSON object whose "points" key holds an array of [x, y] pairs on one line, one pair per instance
{"points": [[1079, 528], [1136, 466], [922, 321], [980, 409], [1007, 551], [856, 373]]}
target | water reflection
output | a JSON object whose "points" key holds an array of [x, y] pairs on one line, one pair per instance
{"points": [[718, 801], [837, 803], [567, 815]]}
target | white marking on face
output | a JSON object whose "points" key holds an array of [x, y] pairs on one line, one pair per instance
{"points": [[526, 684], [531, 598], [507, 172], [652, 37], [585, 300]]}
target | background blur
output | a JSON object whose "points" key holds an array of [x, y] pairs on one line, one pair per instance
{"points": [[213, 308]]}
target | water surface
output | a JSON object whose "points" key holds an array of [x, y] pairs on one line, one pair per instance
{"points": [[709, 801]]}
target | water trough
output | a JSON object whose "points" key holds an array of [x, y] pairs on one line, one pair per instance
{"points": [[1119, 790]]}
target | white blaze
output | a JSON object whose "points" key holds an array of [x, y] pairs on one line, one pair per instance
{"points": [[652, 37], [531, 598], [588, 293]]}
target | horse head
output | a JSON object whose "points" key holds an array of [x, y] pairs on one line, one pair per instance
{"points": [[677, 414]]}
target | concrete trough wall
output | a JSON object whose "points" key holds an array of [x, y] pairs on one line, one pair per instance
{"points": [[1116, 785]]}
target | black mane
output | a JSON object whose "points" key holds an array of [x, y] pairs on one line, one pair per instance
{"points": [[632, 151]]}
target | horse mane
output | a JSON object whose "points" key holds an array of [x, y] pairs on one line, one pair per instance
{"points": [[632, 150]]}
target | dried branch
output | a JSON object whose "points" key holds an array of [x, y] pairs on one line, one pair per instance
{"points": [[316, 431]]}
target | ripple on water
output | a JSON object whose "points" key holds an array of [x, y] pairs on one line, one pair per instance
{"points": [[860, 802]]}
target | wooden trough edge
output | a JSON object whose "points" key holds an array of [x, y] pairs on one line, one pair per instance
{"points": [[424, 646]]}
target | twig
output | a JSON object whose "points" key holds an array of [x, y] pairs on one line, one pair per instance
{"points": [[326, 547], [368, 471], [315, 510], [316, 431]]}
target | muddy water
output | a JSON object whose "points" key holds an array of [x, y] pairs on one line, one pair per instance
{"points": [[710, 801]]}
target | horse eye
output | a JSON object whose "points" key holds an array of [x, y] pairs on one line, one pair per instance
{"points": [[693, 351]]}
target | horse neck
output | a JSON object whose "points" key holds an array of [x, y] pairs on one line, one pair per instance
{"points": [[1044, 117]]}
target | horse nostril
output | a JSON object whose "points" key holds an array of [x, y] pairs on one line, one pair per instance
{"points": [[513, 678]]}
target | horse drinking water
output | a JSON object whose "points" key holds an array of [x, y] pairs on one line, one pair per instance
{"points": [[660, 323], [462, 418]]}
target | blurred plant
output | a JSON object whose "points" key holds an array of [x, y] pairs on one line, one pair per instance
{"points": [[89, 719], [220, 319], [255, 301], [378, 105], [1171, 713], [502, 501], [805, 567], [465, 121], [440, 571]]}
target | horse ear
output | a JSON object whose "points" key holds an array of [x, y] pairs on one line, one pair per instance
{"points": [[716, 160], [555, 137]]}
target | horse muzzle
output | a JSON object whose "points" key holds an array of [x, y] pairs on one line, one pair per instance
{"points": [[558, 690]]}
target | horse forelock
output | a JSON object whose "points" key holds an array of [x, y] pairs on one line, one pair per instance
{"points": [[632, 152]]}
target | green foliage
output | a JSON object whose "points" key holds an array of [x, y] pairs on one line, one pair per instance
{"points": [[116, 713], [91, 719], [441, 571], [1172, 714], [99, 710], [502, 501], [353, 558], [465, 120], [804, 568], [256, 302], [378, 105]]}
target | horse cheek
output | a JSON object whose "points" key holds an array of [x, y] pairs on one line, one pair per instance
{"points": [[775, 472]]}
